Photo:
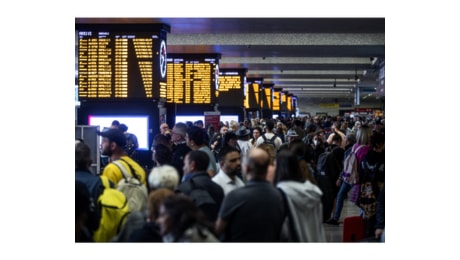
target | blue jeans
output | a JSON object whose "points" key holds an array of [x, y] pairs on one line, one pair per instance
{"points": [[344, 189]]}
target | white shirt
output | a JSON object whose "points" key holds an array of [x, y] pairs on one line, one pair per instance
{"points": [[226, 182], [278, 141]]}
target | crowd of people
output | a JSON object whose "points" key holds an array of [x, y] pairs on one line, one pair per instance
{"points": [[261, 180]]}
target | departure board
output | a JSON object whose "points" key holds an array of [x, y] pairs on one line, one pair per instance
{"points": [[192, 78], [276, 100], [267, 96], [230, 91], [252, 99], [289, 103], [125, 61]]}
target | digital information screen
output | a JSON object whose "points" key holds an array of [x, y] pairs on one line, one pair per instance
{"points": [[231, 87], [119, 62], [192, 78], [252, 99], [267, 99], [289, 103], [276, 100]]}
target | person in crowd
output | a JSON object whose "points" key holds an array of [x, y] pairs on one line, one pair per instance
{"points": [[180, 148], [256, 133], [356, 126], [160, 139], [195, 141], [280, 131], [380, 216], [327, 179], [300, 149], [115, 124], [196, 177], [146, 228], [83, 209], [298, 128], [230, 169], [230, 139], [269, 125], [131, 141], [335, 130], [344, 127], [379, 126], [350, 141], [303, 201], [83, 173], [216, 141], [316, 147], [372, 178], [162, 154], [243, 141], [92, 182], [255, 212], [361, 147], [200, 124], [164, 129], [234, 125], [270, 150], [180, 220], [211, 131], [164, 176], [113, 143], [291, 135]]}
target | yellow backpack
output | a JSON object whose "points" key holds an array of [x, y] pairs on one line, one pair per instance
{"points": [[114, 209]]}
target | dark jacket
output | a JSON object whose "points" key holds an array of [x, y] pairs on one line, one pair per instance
{"points": [[178, 154], [201, 181]]}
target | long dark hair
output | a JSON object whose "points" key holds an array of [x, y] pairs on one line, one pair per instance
{"points": [[287, 167]]}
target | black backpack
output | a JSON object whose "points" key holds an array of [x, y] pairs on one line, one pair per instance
{"points": [[323, 159], [270, 141], [203, 200]]}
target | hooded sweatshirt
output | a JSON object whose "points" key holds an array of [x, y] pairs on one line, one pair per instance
{"points": [[304, 202]]}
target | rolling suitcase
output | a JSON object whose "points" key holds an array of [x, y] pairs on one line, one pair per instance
{"points": [[353, 229]]}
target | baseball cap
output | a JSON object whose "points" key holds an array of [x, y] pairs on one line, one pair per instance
{"points": [[114, 135]]}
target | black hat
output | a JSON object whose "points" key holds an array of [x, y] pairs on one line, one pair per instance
{"points": [[243, 131], [114, 135]]}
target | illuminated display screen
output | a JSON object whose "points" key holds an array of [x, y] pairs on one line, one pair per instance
{"points": [[267, 100], [137, 124], [192, 79], [231, 87], [246, 96], [276, 100], [289, 103], [253, 95], [121, 61]]}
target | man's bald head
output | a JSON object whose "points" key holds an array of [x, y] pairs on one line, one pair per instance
{"points": [[257, 164]]}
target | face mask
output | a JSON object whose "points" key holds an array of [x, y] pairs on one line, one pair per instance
{"points": [[315, 142]]}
